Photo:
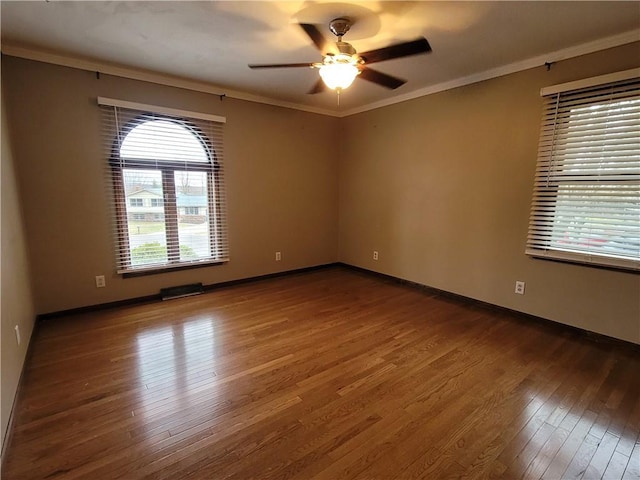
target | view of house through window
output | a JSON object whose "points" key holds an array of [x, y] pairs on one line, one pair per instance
{"points": [[147, 227]]}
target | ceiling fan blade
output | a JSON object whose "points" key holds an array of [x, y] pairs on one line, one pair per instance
{"points": [[319, 87], [282, 65], [314, 34], [397, 51], [381, 78]]}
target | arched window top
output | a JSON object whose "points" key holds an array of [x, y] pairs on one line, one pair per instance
{"points": [[163, 140]]}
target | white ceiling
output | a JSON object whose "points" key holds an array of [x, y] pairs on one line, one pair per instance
{"points": [[207, 45]]}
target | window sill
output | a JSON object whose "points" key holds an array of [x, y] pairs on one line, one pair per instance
{"points": [[144, 271], [610, 263]]}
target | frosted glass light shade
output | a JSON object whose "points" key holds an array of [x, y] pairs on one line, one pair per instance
{"points": [[338, 75]]}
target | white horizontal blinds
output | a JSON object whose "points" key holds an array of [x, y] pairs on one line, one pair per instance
{"points": [[168, 190], [586, 200]]}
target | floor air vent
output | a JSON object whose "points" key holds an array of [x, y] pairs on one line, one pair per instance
{"points": [[181, 291]]}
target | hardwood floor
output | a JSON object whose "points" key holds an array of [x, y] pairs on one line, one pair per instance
{"points": [[331, 374]]}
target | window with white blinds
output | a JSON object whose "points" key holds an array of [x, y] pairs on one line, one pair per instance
{"points": [[165, 167], [586, 199]]}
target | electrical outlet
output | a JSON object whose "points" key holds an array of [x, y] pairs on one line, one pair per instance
{"points": [[520, 288], [100, 282], [17, 329], [278, 256], [375, 255]]}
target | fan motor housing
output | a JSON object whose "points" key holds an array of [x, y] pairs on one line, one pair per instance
{"points": [[340, 26]]}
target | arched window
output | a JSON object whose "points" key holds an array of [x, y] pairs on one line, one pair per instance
{"points": [[168, 191], [163, 140]]}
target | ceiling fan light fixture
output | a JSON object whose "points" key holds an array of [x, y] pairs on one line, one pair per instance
{"points": [[341, 64], [339, 71]]}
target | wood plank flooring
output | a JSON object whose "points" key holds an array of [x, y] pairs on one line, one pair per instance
{"points": [[330, 374]]}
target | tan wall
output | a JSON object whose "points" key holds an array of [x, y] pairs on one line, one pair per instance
{"points": [[17, 301], [441, 187], [281, 179]]}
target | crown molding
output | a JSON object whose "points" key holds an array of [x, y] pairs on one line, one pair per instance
{"points": [[180, 82], [151, 77], [558, 55]]}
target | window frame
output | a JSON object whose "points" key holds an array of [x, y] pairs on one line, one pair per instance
{"points": [[188, 211], [218, 247]]}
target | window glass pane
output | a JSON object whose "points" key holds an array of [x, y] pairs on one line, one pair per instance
{"points": [[193, 214], [586, 203], [594, 140], [163, 140], [145, 216], [603, 219]]}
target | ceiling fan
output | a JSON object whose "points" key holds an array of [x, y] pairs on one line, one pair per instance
{"points": [[341, 63]]}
